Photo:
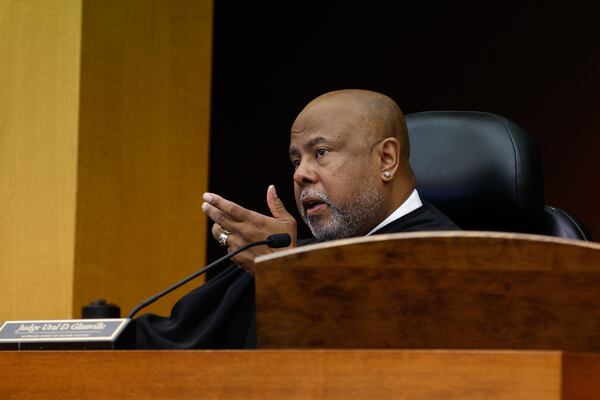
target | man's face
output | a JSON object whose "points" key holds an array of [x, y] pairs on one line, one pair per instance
{"points": [[335, 178]]}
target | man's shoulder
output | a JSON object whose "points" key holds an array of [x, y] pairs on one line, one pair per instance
{"points": [[425, 218]]}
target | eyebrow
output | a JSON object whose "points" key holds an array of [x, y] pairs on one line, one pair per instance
{"points": [[316, 140], [311, 143]]}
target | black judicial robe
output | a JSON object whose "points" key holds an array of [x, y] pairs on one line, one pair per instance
{"points": [[221, 313]]}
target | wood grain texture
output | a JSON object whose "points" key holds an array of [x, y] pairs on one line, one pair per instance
{"points": [[104, 130], [315, 374], [39, 103], [432, 290], [581, 376], [143, 149]]}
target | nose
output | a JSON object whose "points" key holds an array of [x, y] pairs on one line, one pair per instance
{"points": [[305, 174]]}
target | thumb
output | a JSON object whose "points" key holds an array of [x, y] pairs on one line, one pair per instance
{"points": [[275, 204]]}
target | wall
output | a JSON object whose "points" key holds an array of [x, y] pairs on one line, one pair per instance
{"points": [[39, 86], [104, 119], [143, 153]]}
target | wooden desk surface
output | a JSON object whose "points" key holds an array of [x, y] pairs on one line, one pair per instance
{"points": [[300, 374]]}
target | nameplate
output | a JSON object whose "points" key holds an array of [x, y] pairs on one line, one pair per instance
{"points": [[69, 332]]}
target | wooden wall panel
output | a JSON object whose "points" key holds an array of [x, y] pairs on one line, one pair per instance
{"points": [[104, 130], [143, 155], [39, 84]]}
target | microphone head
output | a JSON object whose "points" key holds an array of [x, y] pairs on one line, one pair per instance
{"points": [[278, 240]]}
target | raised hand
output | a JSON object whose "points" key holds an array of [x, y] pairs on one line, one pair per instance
{"points": [[245, 226]]}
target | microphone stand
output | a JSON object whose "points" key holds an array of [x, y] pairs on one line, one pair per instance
{"points": [[193, 276]]}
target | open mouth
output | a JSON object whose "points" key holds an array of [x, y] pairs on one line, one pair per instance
{"points": [[313, 206]]}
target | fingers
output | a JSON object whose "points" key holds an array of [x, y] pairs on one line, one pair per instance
{"points": [[247, 226], [216, 231], [232, 239], [227, 214], [223, 220], [275, 204], [233, 211]]}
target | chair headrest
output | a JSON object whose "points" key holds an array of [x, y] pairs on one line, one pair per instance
{"points": [[481, 169]]}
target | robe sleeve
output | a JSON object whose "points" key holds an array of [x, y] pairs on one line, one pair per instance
{"points": [[217, 315]]}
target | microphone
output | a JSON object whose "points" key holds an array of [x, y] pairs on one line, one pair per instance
{"points": [[274, 241], [279, 240]]}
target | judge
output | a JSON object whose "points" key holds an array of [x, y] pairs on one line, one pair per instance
{"points": [[352, 177]]}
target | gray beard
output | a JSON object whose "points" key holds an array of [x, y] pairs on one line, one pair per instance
{"points": [[346, 220]]}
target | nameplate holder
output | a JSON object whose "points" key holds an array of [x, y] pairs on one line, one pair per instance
{"points": [[67, 334]]}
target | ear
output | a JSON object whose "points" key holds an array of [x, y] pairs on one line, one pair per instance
{"points": [[389, 158]]}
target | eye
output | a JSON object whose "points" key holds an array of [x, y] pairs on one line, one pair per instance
{"points": [[296, 163], [321, 152]]}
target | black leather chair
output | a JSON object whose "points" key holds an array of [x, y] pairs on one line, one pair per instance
{"points": [[485, 173]]}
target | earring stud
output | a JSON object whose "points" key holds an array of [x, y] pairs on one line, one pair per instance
{"points": [[387, 174]]}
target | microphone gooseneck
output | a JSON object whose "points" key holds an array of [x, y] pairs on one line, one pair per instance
{"points": [[275, 241]]}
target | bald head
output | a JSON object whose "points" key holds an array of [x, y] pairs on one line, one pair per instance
{"points": [[350, 152], [374, 115]]}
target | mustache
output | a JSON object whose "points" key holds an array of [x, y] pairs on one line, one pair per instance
{"points": [[306, 193], [315, 193]]}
